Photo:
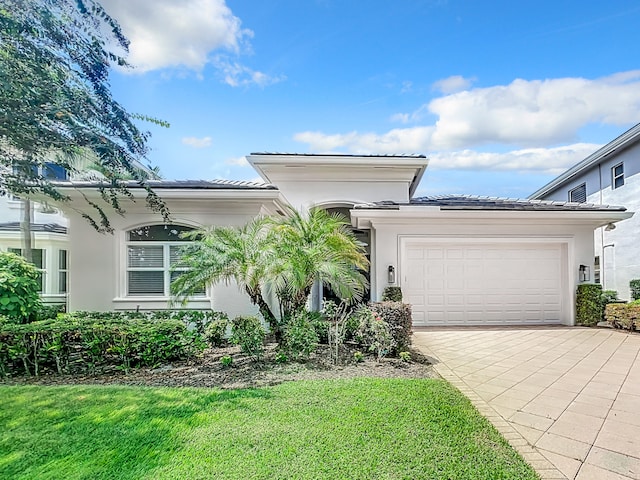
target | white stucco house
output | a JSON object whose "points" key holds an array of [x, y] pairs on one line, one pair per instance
{"points": [[611, 175], [460, 260]]}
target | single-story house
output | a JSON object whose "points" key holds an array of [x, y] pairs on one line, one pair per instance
{"points": [[460, 260]]}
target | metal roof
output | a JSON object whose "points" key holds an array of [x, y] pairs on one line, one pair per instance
{"points": [[472, 202], [625, 140]]}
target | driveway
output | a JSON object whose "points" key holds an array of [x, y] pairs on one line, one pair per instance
{"points": [[567, 398]]}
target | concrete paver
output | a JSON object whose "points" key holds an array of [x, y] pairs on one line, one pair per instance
{"points": [[567, 398]]}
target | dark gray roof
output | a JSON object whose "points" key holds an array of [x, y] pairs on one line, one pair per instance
{"points": [[35, 227], [471, 202], [177, 184]]}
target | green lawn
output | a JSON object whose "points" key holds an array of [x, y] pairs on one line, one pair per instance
{"points": [[342, 429]]}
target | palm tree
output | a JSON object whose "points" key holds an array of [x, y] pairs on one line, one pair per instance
{"points": [[224, 254], [276, 257], [316, 247]]}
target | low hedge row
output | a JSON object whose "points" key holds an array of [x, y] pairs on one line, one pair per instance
{"points": [[623, 315], [80, 343]]}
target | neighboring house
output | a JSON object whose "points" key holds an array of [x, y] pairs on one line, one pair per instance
{"points": [[610, 175], [49, 235], [460, 260]]}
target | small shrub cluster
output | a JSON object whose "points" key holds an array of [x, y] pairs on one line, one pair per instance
{"points": [[589, 305], [215, 333], [300, 336], [249, 334], [392, 294], [609, 296], [70, 344], [624, 315], [634, 286], [398, 316], [373, 332], [19, 298]]}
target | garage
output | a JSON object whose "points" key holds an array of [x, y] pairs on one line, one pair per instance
{"points": [[492, 283]]}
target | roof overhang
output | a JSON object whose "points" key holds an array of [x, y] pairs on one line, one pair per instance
{"points": [[274, 167], [363, 218]]}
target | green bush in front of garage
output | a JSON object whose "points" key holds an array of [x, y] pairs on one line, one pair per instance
{"points": [[589, 307], [398, 316]]}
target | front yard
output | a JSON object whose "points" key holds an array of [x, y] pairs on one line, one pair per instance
{"points": [[358, 428]]}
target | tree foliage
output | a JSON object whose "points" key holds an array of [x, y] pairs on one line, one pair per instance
{"points": [[19, 298], [56, 105], [279, 258]]}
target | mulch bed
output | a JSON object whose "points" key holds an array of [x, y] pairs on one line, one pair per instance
{"points": [[207, 371]]}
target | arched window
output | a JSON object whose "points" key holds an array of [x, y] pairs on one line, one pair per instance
{"points": [[151, 252]]}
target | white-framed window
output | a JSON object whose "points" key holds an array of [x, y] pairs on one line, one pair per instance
{"points": [[617, 176], [596, 269], [38, 257], [151, 252], [578, 194], [62, 271]]}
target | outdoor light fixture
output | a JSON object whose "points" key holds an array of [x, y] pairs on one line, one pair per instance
{"points": [[583, 272], [391, 275]]}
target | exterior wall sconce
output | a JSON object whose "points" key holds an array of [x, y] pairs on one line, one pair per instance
{"points": [[584, 273], [391, 275]]}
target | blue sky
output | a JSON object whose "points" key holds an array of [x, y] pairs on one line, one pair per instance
{"points": [[501, 95]]}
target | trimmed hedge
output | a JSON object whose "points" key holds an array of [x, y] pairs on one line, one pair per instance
{"points": [[392, 294], [71, 344], [623, 315], [589, 304], [398, 316], [634, 286]]}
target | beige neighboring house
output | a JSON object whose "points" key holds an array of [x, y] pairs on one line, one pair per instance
{"points": [[460, 260], [610, 175]]}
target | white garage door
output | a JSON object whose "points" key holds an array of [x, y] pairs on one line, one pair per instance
{"points": [[483, 284]]}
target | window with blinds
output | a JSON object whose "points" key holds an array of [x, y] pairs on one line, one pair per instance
{"points": [[151, 252]]}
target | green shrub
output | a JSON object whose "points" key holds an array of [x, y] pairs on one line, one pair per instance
{"points": [[249, 334], [373, 332], [608, 296], [300, 338], [320, 325], [215, 333], [392, 294], [624, 315], [405, 356], [634, 286], [226, 360], [589, 304], [398, 316], [358, 356], [19, 298], [49, 312], [69, 344]]}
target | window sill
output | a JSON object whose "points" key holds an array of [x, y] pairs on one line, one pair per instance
{"points": [[158, 303]]}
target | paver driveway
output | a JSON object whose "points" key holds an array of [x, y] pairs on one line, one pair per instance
{"points": [[568, 398]]}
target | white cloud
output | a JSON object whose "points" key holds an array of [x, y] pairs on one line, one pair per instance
{"points": [[236, 74], [195, 142], [552, 161], [166, 33], [238, 162], [184, 35], [453, 84], [535, 113]]}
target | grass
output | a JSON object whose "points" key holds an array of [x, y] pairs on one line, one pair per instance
{"points": [[339, 429]]}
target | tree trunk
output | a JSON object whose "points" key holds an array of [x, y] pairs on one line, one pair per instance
{"points": [[25, 230]]}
